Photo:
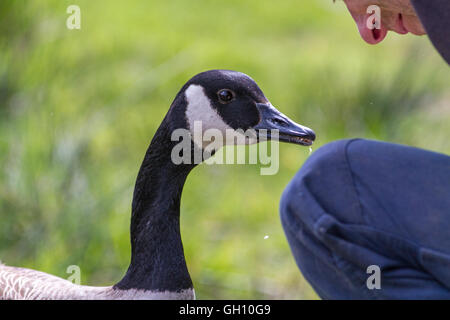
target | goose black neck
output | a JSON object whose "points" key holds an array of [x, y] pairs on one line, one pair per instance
{"points": [[157, 257]]}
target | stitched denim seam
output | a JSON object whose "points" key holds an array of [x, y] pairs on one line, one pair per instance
{"points": [[352, 178]]}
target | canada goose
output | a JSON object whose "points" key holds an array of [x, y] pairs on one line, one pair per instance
{"points": [[220, 99]]}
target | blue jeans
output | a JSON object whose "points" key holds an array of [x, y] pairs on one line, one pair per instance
{"points": [[359, 203]]}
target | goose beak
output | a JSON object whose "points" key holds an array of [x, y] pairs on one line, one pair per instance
{"points": [[289, 131]]}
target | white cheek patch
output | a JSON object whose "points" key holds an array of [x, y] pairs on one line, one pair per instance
{"points": [[199, 108], [200, 111]]}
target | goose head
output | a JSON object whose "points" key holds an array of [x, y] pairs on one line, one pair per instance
{"points": [[219, 100], [230, 101]]}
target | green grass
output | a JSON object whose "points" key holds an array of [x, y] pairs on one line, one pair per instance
{"points": [[78, 110]]}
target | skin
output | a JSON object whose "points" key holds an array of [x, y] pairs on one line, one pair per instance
{"points": [[396, 15]]}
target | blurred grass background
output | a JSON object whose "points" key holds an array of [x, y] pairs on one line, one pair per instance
{"points": [[78, 109]]}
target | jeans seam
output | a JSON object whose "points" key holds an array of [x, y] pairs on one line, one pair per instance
{"points": [[352, 178]]}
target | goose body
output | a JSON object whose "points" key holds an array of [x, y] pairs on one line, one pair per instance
{"points": [[26, 284], [219, 99]]}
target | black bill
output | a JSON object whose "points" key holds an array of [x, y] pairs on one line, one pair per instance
{"points": [[289, 131]]}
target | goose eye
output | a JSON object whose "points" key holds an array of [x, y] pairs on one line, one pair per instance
{"points": [[225, 95]]}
